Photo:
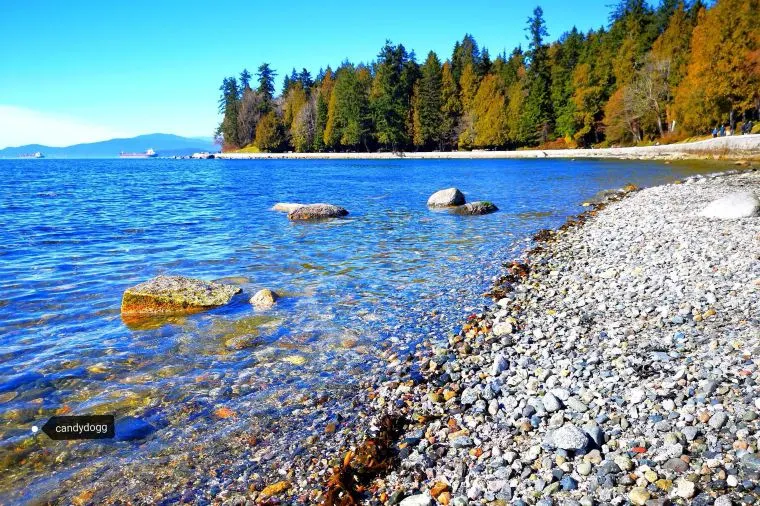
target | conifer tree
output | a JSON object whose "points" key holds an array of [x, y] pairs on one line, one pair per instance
{"points": [[390, 99], [537, 114], [430, 107]]}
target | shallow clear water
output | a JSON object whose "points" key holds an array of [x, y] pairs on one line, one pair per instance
{"points": [[74, 234]]}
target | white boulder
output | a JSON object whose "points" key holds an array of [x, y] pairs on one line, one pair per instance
{"points": [[732, 206]]}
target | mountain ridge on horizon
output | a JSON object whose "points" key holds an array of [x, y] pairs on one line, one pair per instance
{"points": [[163, 144]]}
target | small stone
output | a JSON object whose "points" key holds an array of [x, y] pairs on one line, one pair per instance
{"points": [[718, 420], [264, 299], [595, 433], [638, 496], [551, 403], [685, 489], [500, 364], [438, 488], [570, 437], [469, 396], [462, 442], [690, 433], [583, 468], [417, 500], [568, 483], [637, 395], [676, 465], [275, 489], [501, 329]]}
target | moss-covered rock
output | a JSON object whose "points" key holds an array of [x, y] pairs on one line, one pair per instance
{"points": [[164, 295]]}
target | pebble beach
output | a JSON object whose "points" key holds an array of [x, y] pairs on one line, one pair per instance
{"points": [[618, 365]]}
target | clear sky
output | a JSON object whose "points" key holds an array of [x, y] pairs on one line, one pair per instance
{"points": [[82, 70]]}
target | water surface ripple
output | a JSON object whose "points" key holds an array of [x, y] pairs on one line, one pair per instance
{"points": [[76, 233]]}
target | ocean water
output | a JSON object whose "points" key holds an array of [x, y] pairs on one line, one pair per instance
{"points": [[75, 233]]}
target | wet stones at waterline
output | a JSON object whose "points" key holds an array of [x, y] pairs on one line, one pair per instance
{"points": [[167, 295]]}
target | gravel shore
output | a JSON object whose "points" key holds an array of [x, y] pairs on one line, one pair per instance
{"points": [[618, 365]]}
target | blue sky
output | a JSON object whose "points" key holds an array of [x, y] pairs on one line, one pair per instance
{"points": [[74, 71]]}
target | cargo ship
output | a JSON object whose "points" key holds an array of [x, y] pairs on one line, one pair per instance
{"points": [[32, 155], [148, 154]]}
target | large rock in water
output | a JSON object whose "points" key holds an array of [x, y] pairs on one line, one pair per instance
{"points": [[175, 295], [476, 208], [286, 207], [316, 212], [733, 205], [449, 197]]}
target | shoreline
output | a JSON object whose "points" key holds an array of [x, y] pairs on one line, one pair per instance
{"points": [[559, 392], [740, 147]]}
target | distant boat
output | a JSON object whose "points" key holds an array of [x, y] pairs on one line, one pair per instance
{"points": [[32, 155], [148, 154]]}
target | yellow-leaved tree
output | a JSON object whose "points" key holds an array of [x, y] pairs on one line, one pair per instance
{"points": [[723, 73]]}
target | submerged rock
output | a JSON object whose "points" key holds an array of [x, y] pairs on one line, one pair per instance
{"points": [[476, 208], [130, 428], [286, 207], [175, 294], [732, 206], [316, 212], [449, 197], [264, 299]]}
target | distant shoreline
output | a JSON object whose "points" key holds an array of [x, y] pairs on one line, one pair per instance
{"points": [[727, 148]]}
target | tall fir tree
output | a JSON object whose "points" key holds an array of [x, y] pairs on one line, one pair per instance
{"points": [[537, 114], [430, 107]]}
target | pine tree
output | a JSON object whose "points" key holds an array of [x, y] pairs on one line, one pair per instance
{"points": [[390, 98], [229, 106], [245, 81], [266, 82], [430, 112], [537, 113], [347, 114]]}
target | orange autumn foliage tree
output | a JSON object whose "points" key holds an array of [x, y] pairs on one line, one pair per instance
{"points": [[723, 75]]}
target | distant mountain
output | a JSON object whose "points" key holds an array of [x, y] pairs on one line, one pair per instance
{"points": [[163, 144]]}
